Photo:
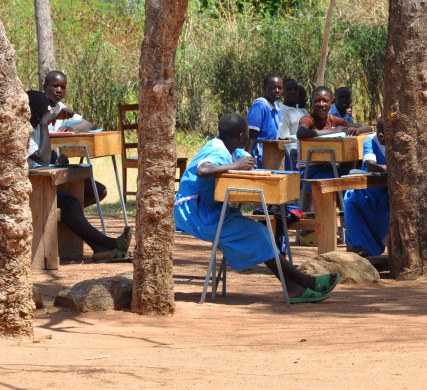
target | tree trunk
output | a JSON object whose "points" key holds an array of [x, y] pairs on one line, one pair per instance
{"points": [[406, 136], [46, 49], [324, 53], [16, 305], [153, 282]]}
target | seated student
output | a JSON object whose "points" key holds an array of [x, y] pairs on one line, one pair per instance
{"points": [[290, 114], [244, 242], [342, 103], [302, 99], [65, 120], [367, 212], [320, 122], [39, 152], [264, 117]]}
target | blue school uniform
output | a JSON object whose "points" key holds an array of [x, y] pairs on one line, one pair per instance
{"points": [[335, 112], [243, 242], [367, 212], [265, 118]]}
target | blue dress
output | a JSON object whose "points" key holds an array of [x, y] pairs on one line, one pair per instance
{"points": [[243, 242], [265, 118], [367, 212]]}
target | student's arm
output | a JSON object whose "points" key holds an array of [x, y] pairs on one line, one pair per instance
{"points": [[373, 166], [43, 154], [255, 120], [303, 132], [207, 169], [84, 125], [253, 136], [356, 129]]}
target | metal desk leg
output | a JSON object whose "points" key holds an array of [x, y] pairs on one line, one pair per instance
{"points": [[285, 229], [119, 188]]}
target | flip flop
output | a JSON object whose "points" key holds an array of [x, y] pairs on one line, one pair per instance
{"points": [[322, 284], [309, 295], [123, 241], [114, 256]]}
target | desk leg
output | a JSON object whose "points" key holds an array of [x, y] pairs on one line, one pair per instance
{"points": [[45, 224], [119, 188], [326, 220], [70, 245]]}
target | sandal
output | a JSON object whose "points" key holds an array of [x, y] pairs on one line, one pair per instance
{"points": [[123, 241], [309, 295], [322, 283], [114, 256]]}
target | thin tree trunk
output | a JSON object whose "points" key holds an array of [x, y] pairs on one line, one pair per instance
{"points": [[324, 53], [16, 305], [45, 46], [406, 135], [153, 282]]}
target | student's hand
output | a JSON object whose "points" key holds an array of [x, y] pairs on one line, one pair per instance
{"points": [[46, 119], [244, 164], [65, 113], [62, 160], [65, 129], [353, 131]]}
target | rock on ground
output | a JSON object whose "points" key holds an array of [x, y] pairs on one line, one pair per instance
{"points": [[352, 267], [97, 294]]}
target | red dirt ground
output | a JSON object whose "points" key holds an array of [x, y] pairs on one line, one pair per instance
{"points": [[363, 337]]}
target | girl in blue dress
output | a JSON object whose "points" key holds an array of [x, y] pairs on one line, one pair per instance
{"points": [[244, 242], [367, 212]]}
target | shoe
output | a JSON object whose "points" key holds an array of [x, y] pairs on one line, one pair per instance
{"points": [[114, 256], [322, 284], [309, 295], [123, 241]]}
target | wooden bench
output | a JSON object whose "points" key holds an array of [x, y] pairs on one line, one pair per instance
{"points": [[49, 236], [324, 197]]}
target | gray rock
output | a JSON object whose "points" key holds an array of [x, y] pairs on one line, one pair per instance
{"points": [[352, 267], [37, 298], [97, 294]]}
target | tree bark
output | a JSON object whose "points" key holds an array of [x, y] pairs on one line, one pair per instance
{"points": [[45, 46], [16, 305], [405, 104], [324, 53], [153, 282]]}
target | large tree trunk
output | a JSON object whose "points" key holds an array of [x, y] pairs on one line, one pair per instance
{"points": [[46, 49], [153, 282], [406, 135], [16, 305]]}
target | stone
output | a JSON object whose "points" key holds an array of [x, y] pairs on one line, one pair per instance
{"points": [[37, 298], [111, 293], [352, 267]]}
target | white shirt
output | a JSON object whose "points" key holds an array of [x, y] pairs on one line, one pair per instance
{"points": [[76, 119], [290, 120]]}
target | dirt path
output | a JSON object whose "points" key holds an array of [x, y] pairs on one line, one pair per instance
{"points": [[364, 337]]}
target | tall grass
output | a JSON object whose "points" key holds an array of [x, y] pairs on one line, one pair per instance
{"points": [[220, 62]]}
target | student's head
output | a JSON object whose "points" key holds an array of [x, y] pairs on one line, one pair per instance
{"points": [[55, 86], [273, 87], [290, 92], [321, 101], [342, 98], [233, 130], [302, 97], [39, 103], [380, 130]]}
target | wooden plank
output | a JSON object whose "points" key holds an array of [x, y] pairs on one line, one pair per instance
{"points": [[63, 175], [273, 154], [326, 221], [348, 183], [50, 235], [277, 189]]}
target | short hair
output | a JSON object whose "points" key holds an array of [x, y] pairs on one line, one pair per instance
{"points": [[38, 102], [289, 81], [51, 75], [321, 88], [270, 76], [231, 125], [342, 89]]}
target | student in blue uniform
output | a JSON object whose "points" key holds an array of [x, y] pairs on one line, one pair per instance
{"points": [[244, 242], [264, 115], [366, 212]]}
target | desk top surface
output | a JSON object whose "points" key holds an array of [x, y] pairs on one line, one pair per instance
{"points": [[355, 182], [99, 134]]}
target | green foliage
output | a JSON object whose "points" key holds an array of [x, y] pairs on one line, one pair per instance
{"points": [[225, 50]]}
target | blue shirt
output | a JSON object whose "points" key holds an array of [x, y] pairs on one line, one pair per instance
{"points": [[265, 118], [334, 111]]}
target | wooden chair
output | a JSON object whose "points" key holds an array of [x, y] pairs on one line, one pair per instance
{"points": [[128, 126]]}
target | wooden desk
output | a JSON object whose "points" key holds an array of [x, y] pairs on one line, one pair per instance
{"points": [[273, 153], [105, 143], [345, 149], [48, 236], [324, 197]]}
